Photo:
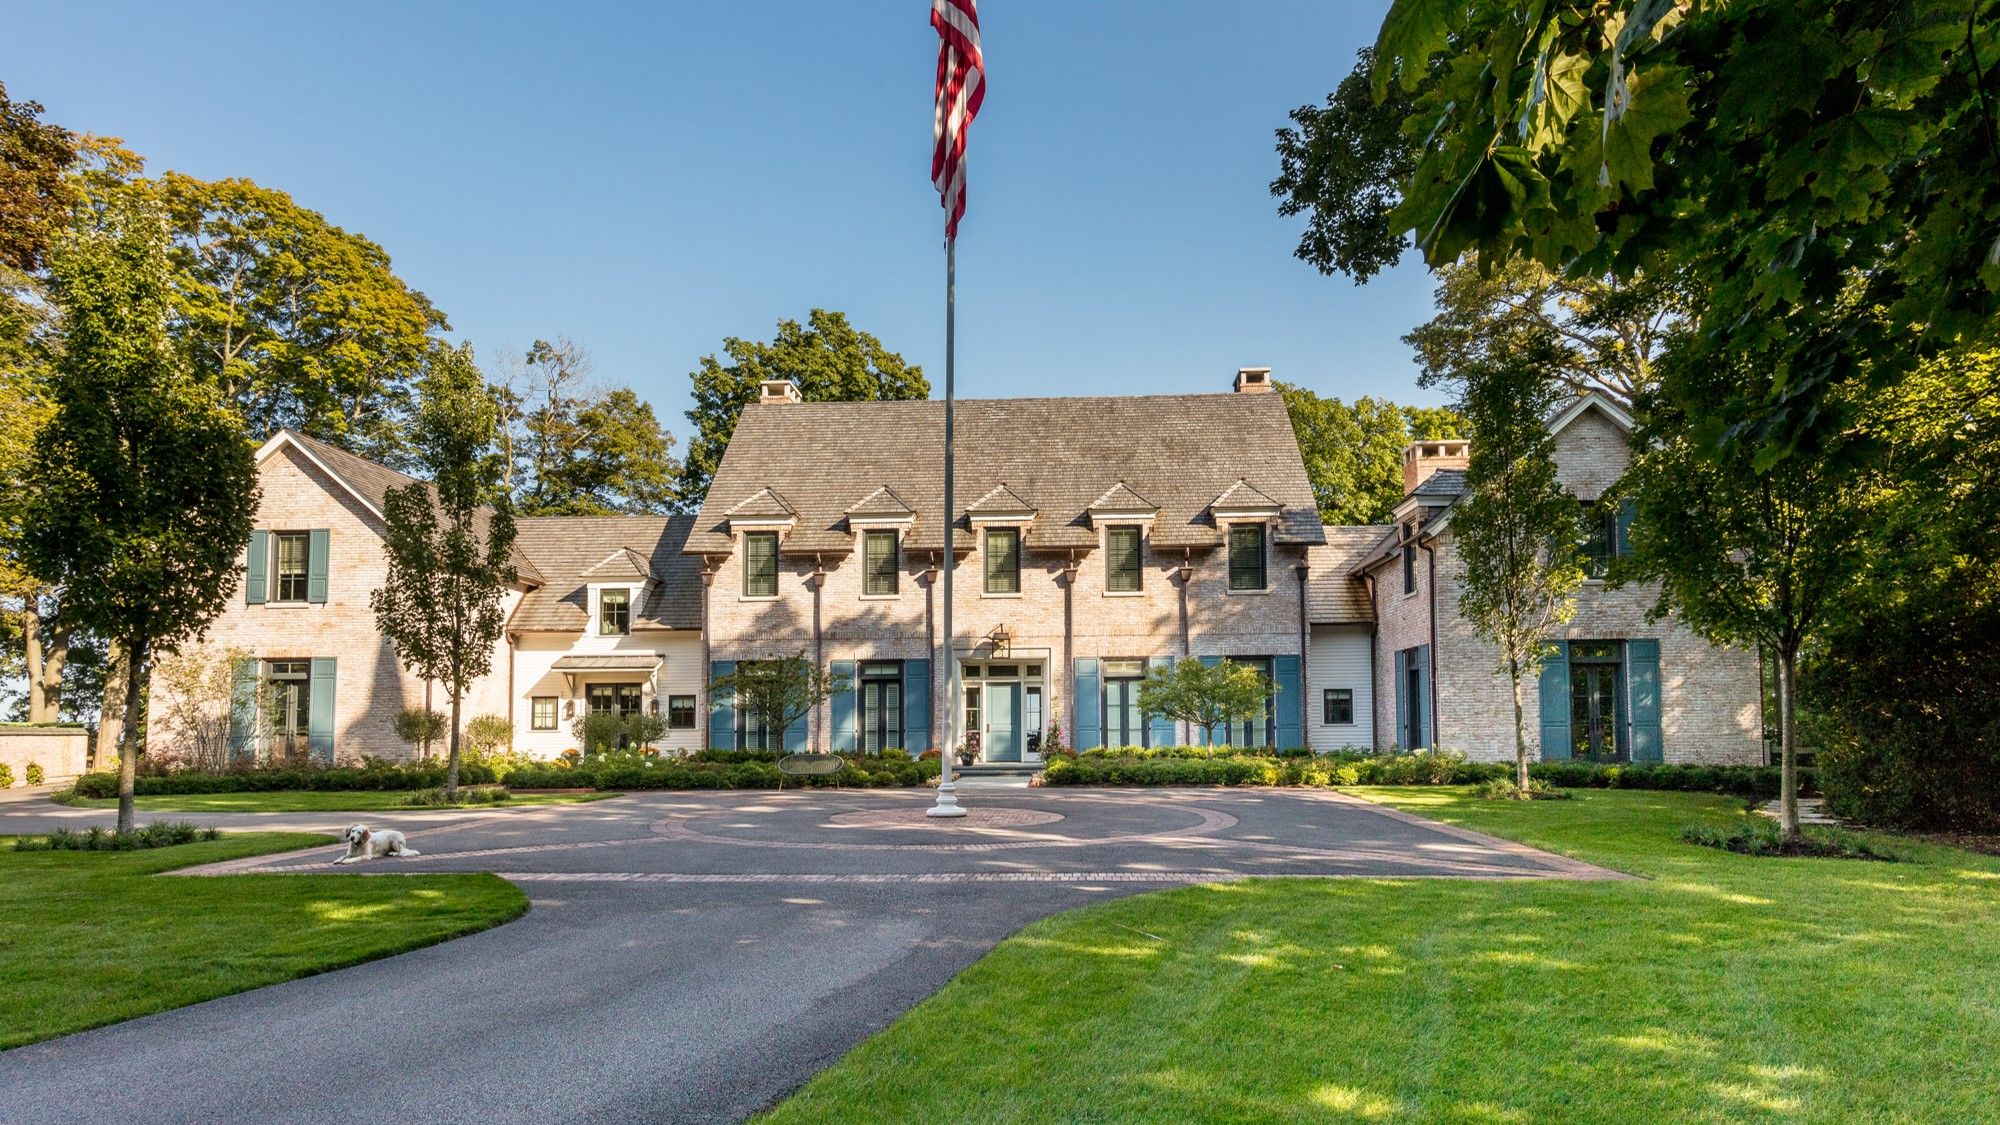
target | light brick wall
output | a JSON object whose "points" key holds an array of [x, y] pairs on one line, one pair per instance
{"points": [[370, 687], [1401, 621], [1106, 625]]}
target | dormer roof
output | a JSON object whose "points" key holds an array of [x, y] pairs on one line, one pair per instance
{"points": [[1243, 499], [1122, 499], [623, 564], [762, 506], [1000, 502], [881, 505]]}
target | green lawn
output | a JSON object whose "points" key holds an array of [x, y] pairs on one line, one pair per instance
{"points": [[90, 938], [1723, 987], [316, 800]]}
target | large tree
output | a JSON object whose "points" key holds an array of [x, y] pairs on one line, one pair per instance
{"points": [[300, 323], [1827, 176], [828, 358], [36, 190], [580, 449], [141, 491], [1354, 452], [1516, 527], [449, 541]]}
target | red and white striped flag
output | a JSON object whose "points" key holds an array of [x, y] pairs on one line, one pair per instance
{"points": [[961, 86]]}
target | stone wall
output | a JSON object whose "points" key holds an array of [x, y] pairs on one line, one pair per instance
{"points": [[60, 751]]}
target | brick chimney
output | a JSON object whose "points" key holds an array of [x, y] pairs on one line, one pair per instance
{"points": [[1253, 380], [778, 390], [1423, 458]]}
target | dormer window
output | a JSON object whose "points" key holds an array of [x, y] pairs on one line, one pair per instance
{"points": [[1122, 573], [614, 613], [1003, 560], [1246, 556], [760, 564], [879, 563]]}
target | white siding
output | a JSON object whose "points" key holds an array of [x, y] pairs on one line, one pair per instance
{"points": [[535, 655], [1340, 659]]}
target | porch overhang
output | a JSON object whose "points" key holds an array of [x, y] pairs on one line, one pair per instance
{"points": [[619, 665]]}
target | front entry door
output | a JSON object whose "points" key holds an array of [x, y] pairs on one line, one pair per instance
{"points": [[1003, 723], [1593, 712]]}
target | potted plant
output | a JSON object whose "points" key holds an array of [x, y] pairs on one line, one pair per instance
{"points": [[968, 753]]}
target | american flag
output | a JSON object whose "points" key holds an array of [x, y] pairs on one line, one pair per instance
{"points": [[961, 86]]}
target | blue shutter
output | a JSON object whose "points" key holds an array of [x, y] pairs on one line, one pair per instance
{"points": [[917, 706], [1426, 725], [1402, 681], [319, 711], [721, 708], [1086, 709], [1160, 729], [257, 579], [1285, 670], [1626, 510], [1555, 702], [844, 699], [1642, 689], [796, 735], [242, 708], [316, 544]]}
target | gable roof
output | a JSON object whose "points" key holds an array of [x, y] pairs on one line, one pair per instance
{"points": [[1120, 498], [1586, 401], [370, 484], [765, 503], [621, 563], [1446, 483], [570, 549], [883, 502], [1241, 496], [1057, 455], [1000, 500], [1335, 595]]}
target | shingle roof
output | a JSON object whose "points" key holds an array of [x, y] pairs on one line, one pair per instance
{"points": [[621, 563], [1000, 498], [374, 482], [1333, 595], [881, 502], [1057, 454], [1448, 484], [565, 547], [764, 502], [1243, 494], [1120, 498]]}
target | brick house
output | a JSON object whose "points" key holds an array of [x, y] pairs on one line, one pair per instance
{"points": [[1095, 539]]}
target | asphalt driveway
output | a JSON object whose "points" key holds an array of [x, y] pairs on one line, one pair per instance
{"points": [[689, 957]]}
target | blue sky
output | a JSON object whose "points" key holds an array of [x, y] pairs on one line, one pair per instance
{"points": [[650, 178]]}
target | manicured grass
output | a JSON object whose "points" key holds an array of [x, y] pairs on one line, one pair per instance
{"points": [[1722, 987], [316, 800], [90, 938]]}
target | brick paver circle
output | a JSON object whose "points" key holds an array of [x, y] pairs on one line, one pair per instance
{"points": [[920, 818]]}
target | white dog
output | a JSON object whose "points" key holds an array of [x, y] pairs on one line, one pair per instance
{"points": [[365, 844]]}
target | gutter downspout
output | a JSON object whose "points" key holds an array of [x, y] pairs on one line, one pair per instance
{"points": [[1305, 659], [707, 653], [1374, 697], [1185, 572], [1431, 565], [1069, 646], [817, 726], [930, 578]]}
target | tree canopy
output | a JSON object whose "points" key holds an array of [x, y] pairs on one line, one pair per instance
{"points": [[579, 449], [829, 359], [36, 191], [1354, 452]]}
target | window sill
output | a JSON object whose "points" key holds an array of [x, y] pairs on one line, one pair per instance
{"points": [[1003, 597], [1124, 593], [881, 597], [757, 597], [1249, 593], [289, 605]]}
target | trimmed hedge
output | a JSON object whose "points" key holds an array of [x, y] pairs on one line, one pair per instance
{"points": [[1443, 768], [372, 777]]}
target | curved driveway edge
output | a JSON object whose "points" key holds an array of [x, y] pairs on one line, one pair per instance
{"points": [[695, 957]]}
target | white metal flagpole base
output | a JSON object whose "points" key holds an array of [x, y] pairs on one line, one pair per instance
{"points": [[947, 802]]}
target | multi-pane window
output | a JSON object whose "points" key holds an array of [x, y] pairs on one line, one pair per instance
{"points": [[613, 699], [680, 712], [880, 563], [1337, 706], [542, 716], [1246, 556], [1600, 538], [1121, 559], [1409, 568], [760, 564], [882, 705], [1124, 723], [288, 570], [1003, 560], [614, 612], [1257, 730]]}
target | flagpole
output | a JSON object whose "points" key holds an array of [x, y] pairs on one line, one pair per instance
{"points": [[947, 794]]}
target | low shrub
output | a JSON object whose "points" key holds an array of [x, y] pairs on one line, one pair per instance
{"points": [[1212, 766], [35, 773], [1760, 836], [160, 834], [1505, 789], [467, 795], [1185, 752], [1739, 781], [718, 769], [6, 776]]}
